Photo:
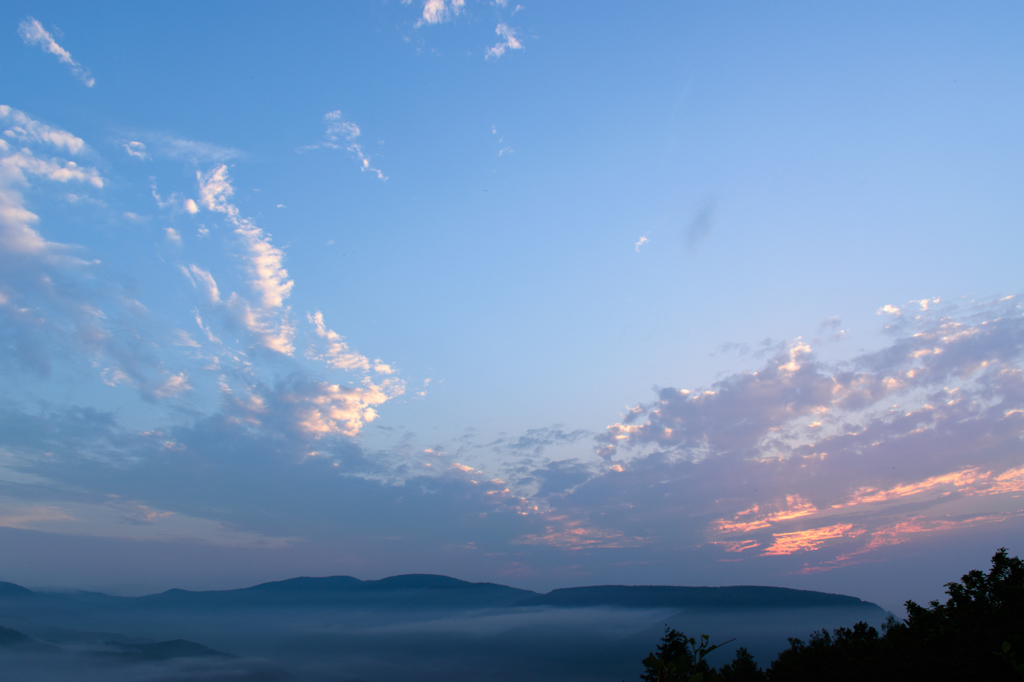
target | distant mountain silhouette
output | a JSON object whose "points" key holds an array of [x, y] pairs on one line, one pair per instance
{"points": [[655, 596], [9, 637], [425, 591], [414, 591], [19, 641], [411, 581], [336, 582], [12, 590]]}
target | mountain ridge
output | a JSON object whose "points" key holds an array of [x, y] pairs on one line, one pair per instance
{"points": [[728, 596], [432, 590]]}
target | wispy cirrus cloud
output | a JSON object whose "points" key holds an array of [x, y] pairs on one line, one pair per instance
{"points": [[136, 149], [342, 134], [197, 276], [167, 146], [24, 128], [56, 302], [33, 33], [508, 41], [175, 202], [337, 355], [267, 318], [305, 404]]}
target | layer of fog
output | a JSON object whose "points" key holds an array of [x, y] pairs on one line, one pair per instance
{"points": [[333, 645]]}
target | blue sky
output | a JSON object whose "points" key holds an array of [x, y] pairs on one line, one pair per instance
{"points": [[543, 294]]}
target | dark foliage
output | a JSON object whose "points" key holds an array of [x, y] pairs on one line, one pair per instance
{"points": [[672, 651], [848, 654], [742, 669], [680, 659], [964, 638], [977, 634]]}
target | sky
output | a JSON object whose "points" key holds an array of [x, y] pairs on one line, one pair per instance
{"points": [[544, 294]]}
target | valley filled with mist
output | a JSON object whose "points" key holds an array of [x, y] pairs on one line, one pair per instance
{"points": [[411, 627]]}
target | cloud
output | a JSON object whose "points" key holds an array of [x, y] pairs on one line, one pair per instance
{"points": [[16, 166], [439, 11], [176, 202], [126, 519], [536, 441], [31, 516], [640, 242], [761, 468], [329, 409], [508, 42], [224, 480], [314, 407], [60, 312], [270, 319], [184, 339], [56, 304], [269, 276], [341, 133], [570, 534], [33, 33], [136, 149], [827, 460], [196, 275], [167, 146], [337, 355], [27, 129], [215, 189], [701, 226], [175, 384], [24, 161]]}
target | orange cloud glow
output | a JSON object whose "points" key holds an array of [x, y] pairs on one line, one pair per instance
{"points": [[955, 480], [739, 545], [573, 536], [808, 540], [796, 507], [901, 532]]}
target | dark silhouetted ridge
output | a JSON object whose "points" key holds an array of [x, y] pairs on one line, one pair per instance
{"points": [[433, 592], [656, 596], [9, 636], [417, 591], [420, 581], [12, 590], [335, 582], [426, 581], [411, 581]]}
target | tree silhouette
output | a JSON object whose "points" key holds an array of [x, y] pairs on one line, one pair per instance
{"points": [[742, 669], [964, 638], [976, 634], [680, 659]]}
